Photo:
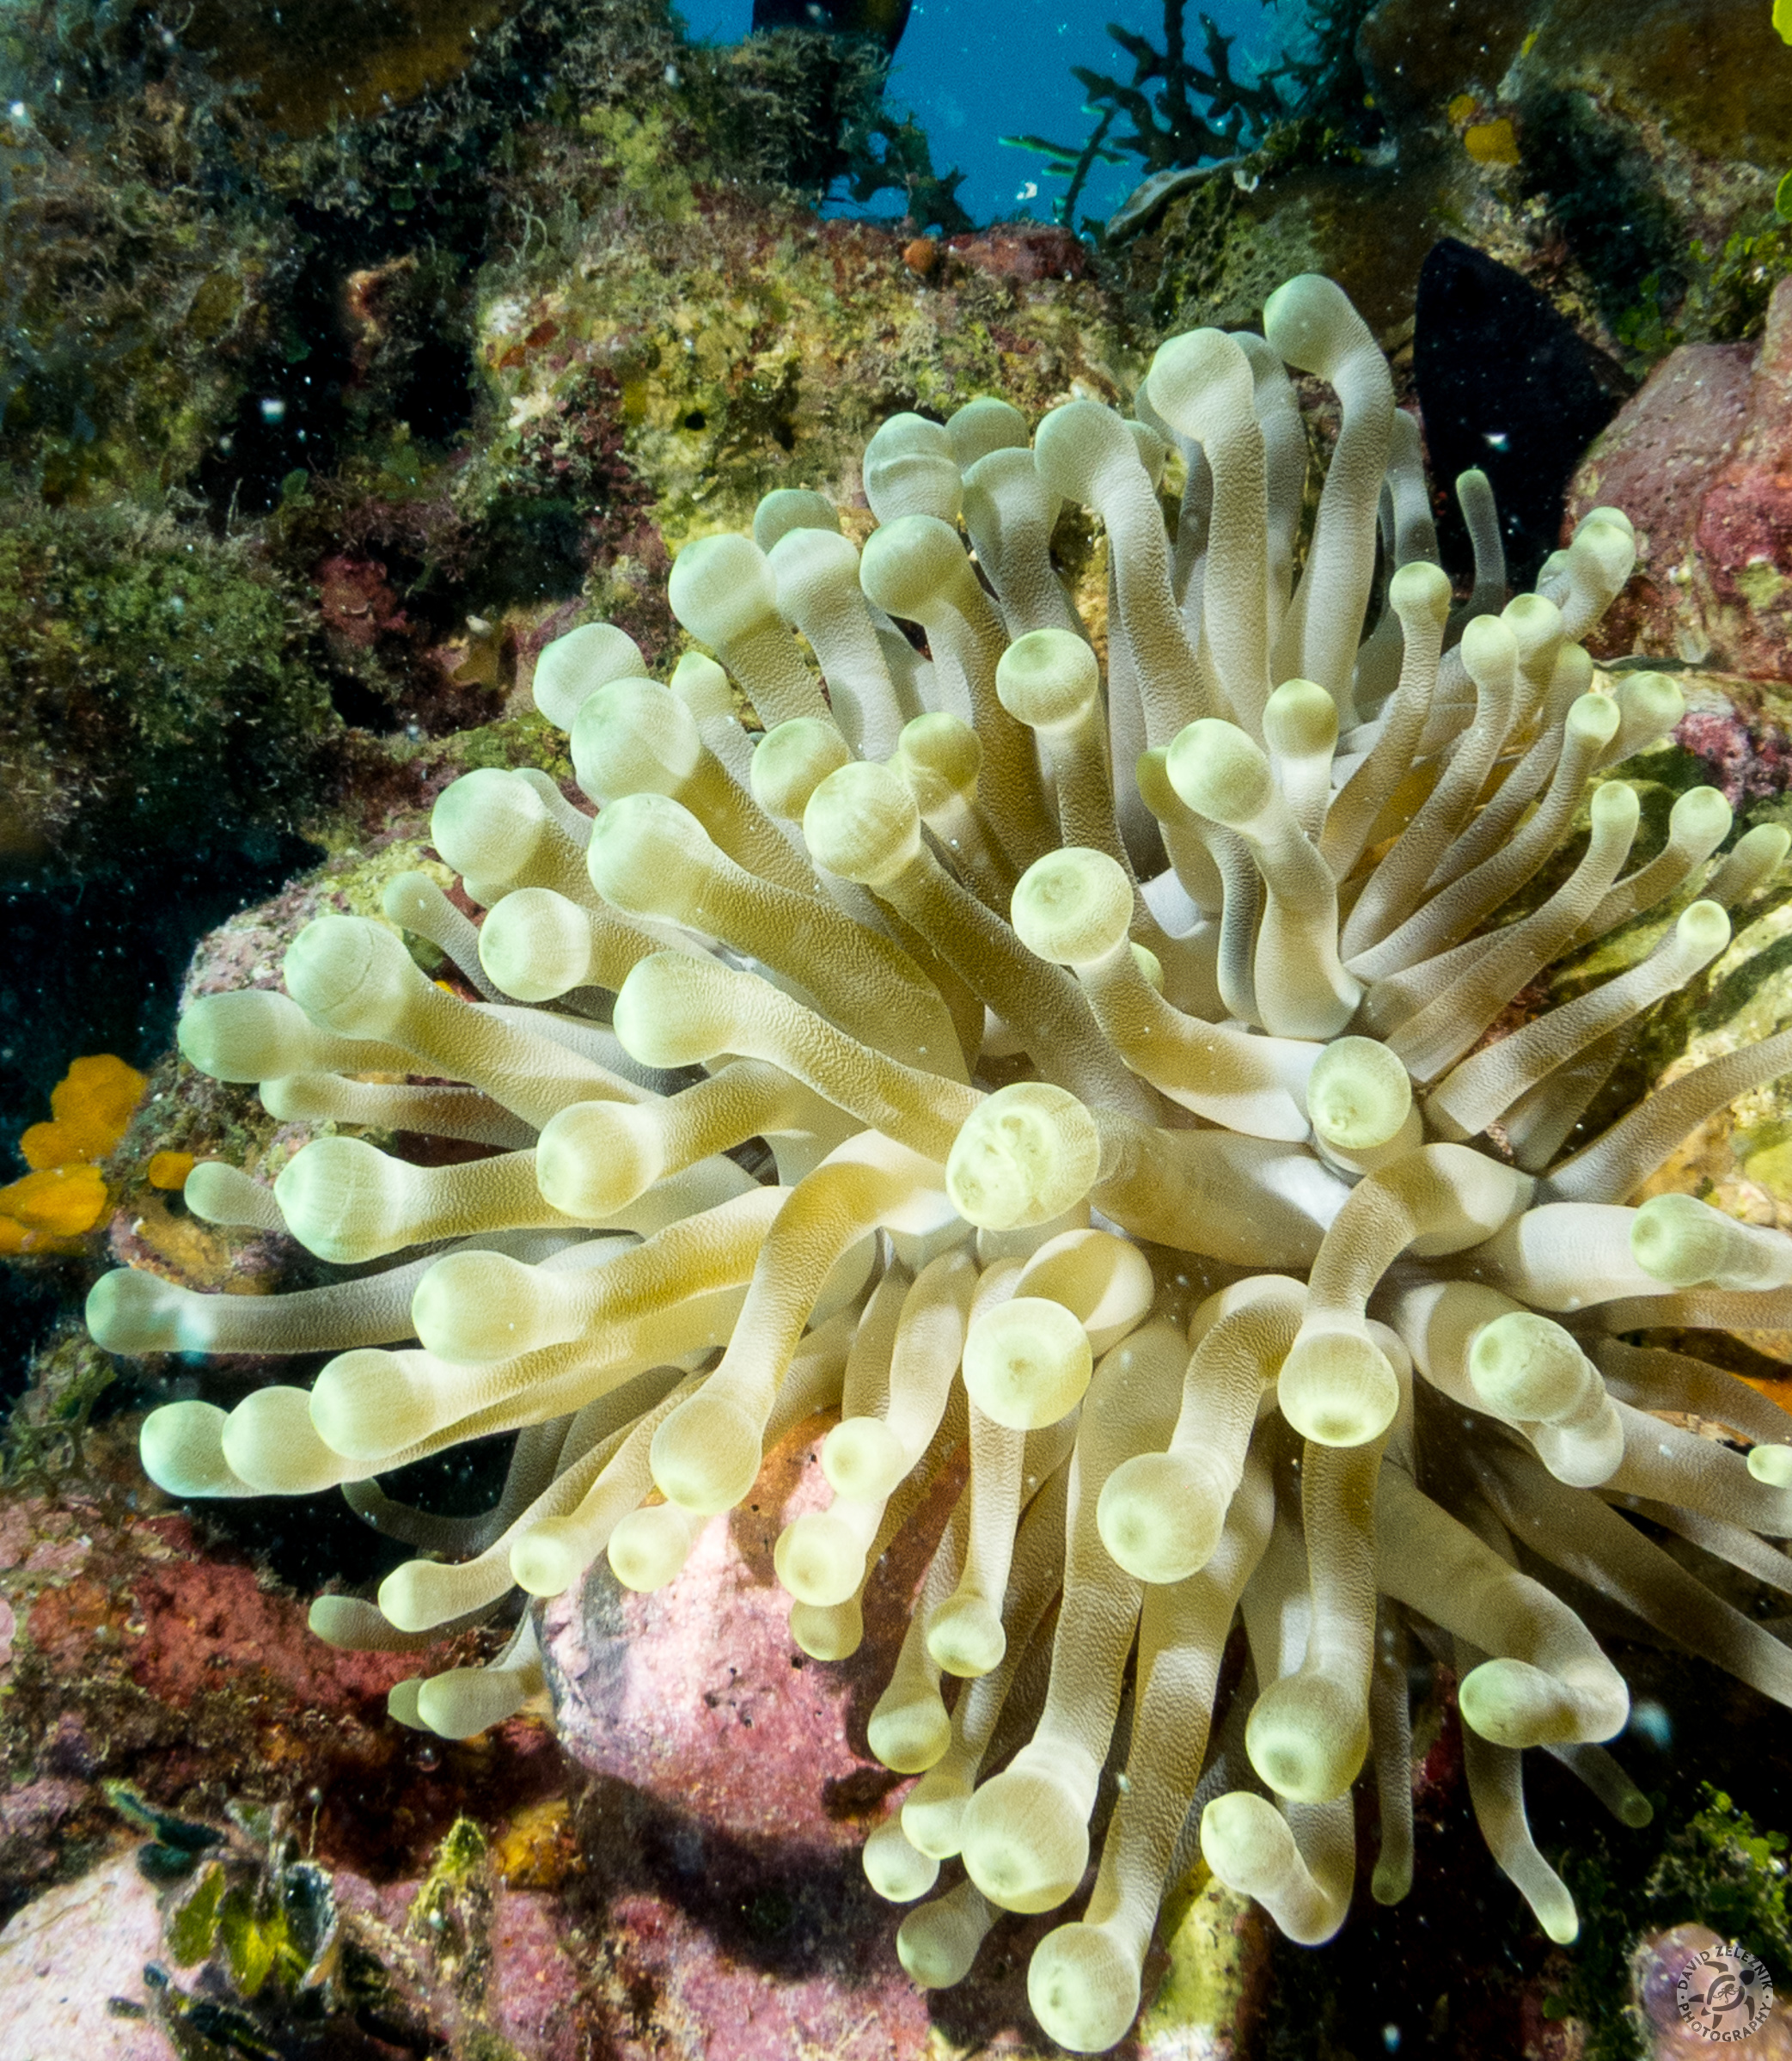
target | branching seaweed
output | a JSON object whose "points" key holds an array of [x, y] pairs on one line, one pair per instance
{"points": [[1186, 110]]}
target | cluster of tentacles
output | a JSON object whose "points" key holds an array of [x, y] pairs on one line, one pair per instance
{"points": [[1083, 1086]]}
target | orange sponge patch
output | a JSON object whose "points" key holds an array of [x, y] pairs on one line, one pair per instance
{"points": [[54, 1202], [170, 1170], [64, 1196], [90, 1109]]}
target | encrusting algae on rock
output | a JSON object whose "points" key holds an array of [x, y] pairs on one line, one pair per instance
{"points": [[1111, 1076]]}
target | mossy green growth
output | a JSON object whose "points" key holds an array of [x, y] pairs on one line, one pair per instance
{"points": [[641, 391], [452, 1909], [43, 1435], [142, 266], [1723, 297], [1717, 1869], [157, 687], [637, 149]]}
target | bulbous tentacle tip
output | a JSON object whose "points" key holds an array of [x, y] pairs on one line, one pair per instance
{"points": [[634, 736], [912, 565], [649, 1546], [1309, 320], [1337, 1388], [1246, 1841], [649, 856], [1307, 1737], [722, 588], [965, 1637], [1771, 1464], [1527, 1366], [573, 667], [1358, 1095], [818, 1560], [1028, 1363], [908, 1735], [1027, 1843], [862, 822], [349, 974], [549, 1558], [1026, 1155], [1191, 372], [1083, 1988], [1082, 447], [828, 1632], [1073, 906], [706, 1455], [1159, 1516], [1300, 720], [862, 1458], [181, 1447], [596, 1158], [790, 761], [1049, 679], [401, 1704], [1420, 590], [899, 1872], [1219, 773], [131, 1311], [938, 1943]]}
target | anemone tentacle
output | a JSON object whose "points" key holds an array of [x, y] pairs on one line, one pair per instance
{"points": [[1009, 1096]]}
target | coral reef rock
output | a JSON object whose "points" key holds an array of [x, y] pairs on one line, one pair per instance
{"points": [[1623, 158], [1702, 460]]}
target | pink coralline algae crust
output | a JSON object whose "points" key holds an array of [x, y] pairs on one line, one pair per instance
{"points": [[536, 1982], [1748, 763], [142, 1653], [1745, 530], [731, 2010], [63, 1957], [698, 1696], [179, 1621], [1656, 1968], [1701, 460], [198, 1616], [532, 1991]]}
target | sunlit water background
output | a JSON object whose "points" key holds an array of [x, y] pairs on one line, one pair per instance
{"points": [[973, 71]]}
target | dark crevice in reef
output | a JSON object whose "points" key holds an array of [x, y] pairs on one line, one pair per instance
{"points": [[102, 957], [31, 1300], [307, 398], [1605, 195], [1506, 385], [359, 706], [308, 1542]]}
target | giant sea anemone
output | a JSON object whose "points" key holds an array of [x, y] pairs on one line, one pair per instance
{"points": [[1086, 1083]]}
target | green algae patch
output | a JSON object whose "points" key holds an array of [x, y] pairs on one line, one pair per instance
{"points": [[1715, 1867], [156, 686], [1208, 1988]]}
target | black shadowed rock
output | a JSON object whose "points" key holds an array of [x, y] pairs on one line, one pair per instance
{"points": [[1508, 384], [883, 21]]}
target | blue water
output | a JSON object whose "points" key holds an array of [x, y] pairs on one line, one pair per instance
{"points": [[973, 71]]}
